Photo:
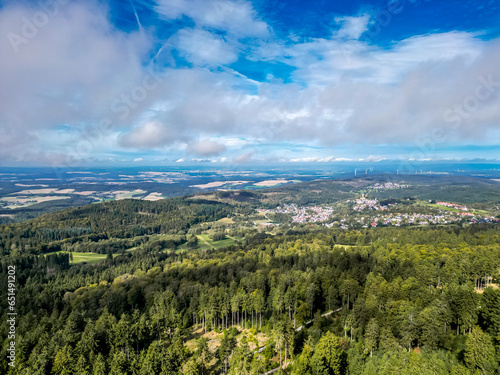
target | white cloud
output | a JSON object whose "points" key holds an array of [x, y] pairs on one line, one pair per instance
{"points": [[201, 47], [375, 158], [328, 159], [352, 27], [243, 158], [66, 72], [206, 147], [151, 134], [305, 160], [137, 160], [237, 17], [343, 90], [314, 159]]}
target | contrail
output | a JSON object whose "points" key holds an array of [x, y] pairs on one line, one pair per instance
{"points": [[155, 57], [136, 16], [238, 74]]}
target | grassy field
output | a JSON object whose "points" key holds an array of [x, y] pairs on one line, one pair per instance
{"points": [[451, 209], [263, 221], [205, 238], [201, 246], [89, 258], [442, 208], [204, 243], [226, 220]]}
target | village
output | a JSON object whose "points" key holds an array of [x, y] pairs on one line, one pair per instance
{"points": [[388, 185], [303, 215], [370, 213]]}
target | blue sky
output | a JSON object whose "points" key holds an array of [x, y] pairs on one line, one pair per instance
{"points": [[239, 81]]}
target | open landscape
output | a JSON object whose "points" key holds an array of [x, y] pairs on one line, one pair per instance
{"points": [[249, 187], [258, 273]]}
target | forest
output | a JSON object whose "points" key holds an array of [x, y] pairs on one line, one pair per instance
{"points": [[300, 299]]}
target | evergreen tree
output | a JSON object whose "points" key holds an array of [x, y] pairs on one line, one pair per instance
{"points": [[326, 359], [480, 352]]}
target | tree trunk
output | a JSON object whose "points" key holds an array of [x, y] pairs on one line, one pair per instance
{"points": [[286, 347]]}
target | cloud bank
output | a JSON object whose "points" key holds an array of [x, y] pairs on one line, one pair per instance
{"points": [[78, 74]]}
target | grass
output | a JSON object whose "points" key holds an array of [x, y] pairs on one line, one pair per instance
{"points": [[226, 220], [443, 208], [201, 246], [205, 243], [205, 238], [236, 238], [262, 221], [90, 258]]}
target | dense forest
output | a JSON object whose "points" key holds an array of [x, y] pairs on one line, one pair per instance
{"points": [[306, 300]]}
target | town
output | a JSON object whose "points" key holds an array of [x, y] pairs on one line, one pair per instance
{"points": [[364, 213], [388, 185]]}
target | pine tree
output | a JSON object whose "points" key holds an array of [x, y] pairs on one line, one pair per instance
{"points": [[371, 336], [303, 364], [63, 363], [480, 352], [326, 359], [99, 366], [82, 366]]}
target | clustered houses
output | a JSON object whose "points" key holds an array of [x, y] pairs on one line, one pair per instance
{"points": [[416, 219], [304, 215], [452, 205], [314, 214], [398, 219], [367, 208], [371, 204], [388, 185]]}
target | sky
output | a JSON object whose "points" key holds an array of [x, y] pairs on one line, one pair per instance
{"points": [[144, 82]]}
